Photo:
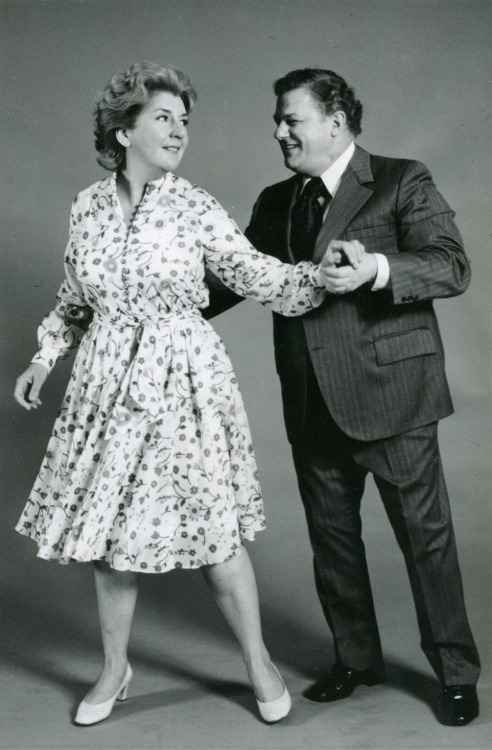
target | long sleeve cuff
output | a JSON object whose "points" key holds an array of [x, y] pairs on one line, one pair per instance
{"points": [[47, 356], [315, 276], [383, 274]]}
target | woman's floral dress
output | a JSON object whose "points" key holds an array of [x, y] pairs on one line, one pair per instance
{"points": [[150, 466]]}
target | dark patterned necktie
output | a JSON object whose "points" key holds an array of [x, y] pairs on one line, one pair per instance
{"points": [[307, 217]]}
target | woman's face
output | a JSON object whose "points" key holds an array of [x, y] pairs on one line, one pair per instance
{"points": [[159, 138]]}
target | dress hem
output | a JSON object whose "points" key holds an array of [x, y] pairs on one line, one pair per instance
{"points": [[147, 569]]}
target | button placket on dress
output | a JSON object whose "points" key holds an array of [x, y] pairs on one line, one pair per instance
{"points": [[132, 230], [124, 414]]}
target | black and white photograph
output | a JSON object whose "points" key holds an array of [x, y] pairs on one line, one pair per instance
{"points": [[246, 375]]}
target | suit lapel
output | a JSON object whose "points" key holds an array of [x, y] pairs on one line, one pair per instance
{"points": [[351, 196], [295, 186]]}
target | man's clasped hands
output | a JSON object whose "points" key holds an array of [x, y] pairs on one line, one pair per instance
{"points": [[361, 267]]}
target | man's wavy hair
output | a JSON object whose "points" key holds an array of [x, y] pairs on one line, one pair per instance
{"points": [[328, 89], [126, 94]]}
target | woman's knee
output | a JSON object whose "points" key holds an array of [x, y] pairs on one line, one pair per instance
{"points": [[221, 576], [117, 577]]}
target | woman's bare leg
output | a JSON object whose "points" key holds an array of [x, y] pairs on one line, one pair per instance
{"points": [[233, 585], [116, 598]]}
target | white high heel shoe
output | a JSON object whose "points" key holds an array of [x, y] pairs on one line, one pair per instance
{"points": [[272, 711], [92, 713]]}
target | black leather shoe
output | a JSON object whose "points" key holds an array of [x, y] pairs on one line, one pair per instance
{"points": [[341, 682], [458, 705]]}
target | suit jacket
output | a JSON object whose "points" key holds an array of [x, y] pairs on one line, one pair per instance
{"points": [[378, 356]]}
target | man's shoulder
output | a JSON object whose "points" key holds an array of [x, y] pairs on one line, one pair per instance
{"points": [[384, 166], [279, 190]]}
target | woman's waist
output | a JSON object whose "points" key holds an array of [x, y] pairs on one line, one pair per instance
{"points": [[154, 322]]}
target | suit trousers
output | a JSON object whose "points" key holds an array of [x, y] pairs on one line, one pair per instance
{"points": [[331, 470]]}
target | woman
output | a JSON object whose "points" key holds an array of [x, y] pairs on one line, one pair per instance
{"points": [[150, 466]]}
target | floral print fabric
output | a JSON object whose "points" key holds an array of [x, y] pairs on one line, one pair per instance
{"points": [[150, 466]]}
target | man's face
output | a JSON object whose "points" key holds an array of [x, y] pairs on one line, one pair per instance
{"points": [[306, 136]]}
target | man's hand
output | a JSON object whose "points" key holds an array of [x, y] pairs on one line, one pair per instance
{"points": [[353, 251], [340, 280]]}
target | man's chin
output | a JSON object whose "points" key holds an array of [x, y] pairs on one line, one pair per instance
{"points": [[291, 163]]}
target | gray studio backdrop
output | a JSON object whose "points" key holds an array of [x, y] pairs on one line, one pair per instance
{"points": [[422, 70]]}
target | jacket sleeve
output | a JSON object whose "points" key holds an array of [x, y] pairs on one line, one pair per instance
{"points": [[431, 261], [56, 337]]}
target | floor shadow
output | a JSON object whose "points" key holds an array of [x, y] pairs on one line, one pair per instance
{"points": [[31, 642], [413, 682], [49, 641]]}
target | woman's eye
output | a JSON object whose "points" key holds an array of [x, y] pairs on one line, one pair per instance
{"points": [[165, 118]]}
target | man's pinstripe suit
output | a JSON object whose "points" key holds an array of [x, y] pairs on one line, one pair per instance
{"points": [[363, 386]]}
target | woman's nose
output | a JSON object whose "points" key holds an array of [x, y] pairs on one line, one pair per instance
{"points": [[179, 130]]}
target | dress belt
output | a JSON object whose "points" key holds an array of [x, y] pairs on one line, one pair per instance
{"points": [[157, 322], [144, 397]]}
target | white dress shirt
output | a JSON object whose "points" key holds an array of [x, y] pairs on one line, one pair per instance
{"points": [[332, 179]]}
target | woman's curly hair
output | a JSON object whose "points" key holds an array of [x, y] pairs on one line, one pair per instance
{"points": [[126, 94]]}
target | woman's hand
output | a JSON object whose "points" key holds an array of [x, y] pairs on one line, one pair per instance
{"points": [[343, 279], [350, 252], [28, 386]]}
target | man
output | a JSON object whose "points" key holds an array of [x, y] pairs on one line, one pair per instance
{"points": [[363, 380]]}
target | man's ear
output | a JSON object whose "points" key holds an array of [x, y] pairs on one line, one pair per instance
{"points": [[122, 137], [339, 121]]}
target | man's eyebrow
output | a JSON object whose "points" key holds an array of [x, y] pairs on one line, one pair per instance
{"points": [[284, 116]]}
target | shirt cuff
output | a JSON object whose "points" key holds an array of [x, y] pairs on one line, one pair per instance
{"points": [[383, 274]]}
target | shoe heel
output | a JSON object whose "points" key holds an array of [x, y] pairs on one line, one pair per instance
{"points": [[123, 694]]}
